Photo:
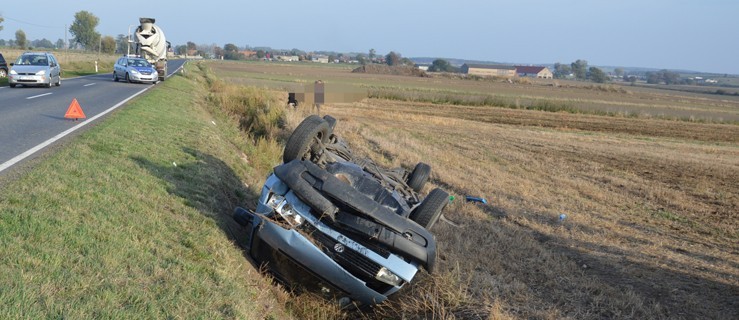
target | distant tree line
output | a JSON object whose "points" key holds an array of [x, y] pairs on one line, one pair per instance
{"points": [[579, 70]]}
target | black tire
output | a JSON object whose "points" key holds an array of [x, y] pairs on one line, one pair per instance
{"points": [[128, 79], [429, 211], [3, 73], [48, 85], [301, 141], [419, 176], [331, 121], [59, 82], [115, 77], [12, 85]]}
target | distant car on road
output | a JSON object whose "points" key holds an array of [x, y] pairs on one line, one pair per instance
{"points": [[3, 67], [34, 69], [134, 69]]}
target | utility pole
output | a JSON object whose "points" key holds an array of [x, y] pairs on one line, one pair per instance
{"points": [[66, 46]]}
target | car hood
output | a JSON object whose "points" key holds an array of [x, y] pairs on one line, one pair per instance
{"points": [[28, 69]]}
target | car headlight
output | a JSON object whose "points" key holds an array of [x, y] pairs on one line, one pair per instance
{"points": [[388, 277], [279, 204], [13, 72], [134, 71], [41, 73]]}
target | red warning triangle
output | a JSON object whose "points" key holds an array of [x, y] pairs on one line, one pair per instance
{"points": [[74, 111]]}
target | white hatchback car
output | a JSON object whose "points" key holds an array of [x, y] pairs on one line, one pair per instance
{"points": [[35, 69]]}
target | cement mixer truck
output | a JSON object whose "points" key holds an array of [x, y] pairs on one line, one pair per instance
{"points": [[152, 45]]}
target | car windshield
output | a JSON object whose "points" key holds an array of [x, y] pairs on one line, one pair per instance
{"points": [[32, 60], [138, 63]]}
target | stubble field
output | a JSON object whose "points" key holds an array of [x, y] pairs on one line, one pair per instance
{"points": [[651, 202]]}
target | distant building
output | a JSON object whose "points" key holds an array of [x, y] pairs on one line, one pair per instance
{"points": [[534, 72], [248, 53], [288, 58], [422, 67], [496, 70], [320, 59]]}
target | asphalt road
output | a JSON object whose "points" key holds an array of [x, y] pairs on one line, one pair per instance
{"points": [[32, 118]]}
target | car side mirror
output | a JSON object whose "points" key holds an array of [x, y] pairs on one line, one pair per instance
{"points": [[11, 64]]}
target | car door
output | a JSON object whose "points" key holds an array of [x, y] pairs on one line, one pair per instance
{"points": [[55, 70]]}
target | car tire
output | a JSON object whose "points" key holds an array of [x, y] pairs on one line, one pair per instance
{"points": [[59, 82], [115, 77], [303, 139], [128, 79], [12, 85], [419, 176], [429, 211], [331, 121], [3, 73]]}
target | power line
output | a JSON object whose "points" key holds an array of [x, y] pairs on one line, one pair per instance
{"points": [[31, 23]]}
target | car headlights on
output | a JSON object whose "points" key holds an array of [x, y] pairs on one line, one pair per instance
{"points": [[13, 72], [279, 204], [41, 73], [134, 71], [388, 277]]}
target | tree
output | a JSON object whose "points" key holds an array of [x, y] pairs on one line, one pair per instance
{"points": [[562, 71], [1, 23], [619, 72], [580, 68], [43, 43], [440, 65], [219, 52], [631, 79], [20, 39], [83, 29], [392, 58], [181, 50], [231, 52], [59, 44], [108, 45], [670, 77], [191, 46], [260, 54], [597, 75], [372, 54]]}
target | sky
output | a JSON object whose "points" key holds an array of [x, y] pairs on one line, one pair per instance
{"points": [[699, 35]]}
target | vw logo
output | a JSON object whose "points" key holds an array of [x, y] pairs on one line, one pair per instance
{"points": [[339, 248]]}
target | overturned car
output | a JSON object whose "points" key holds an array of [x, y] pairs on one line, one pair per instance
{"points": [[331, 222]]}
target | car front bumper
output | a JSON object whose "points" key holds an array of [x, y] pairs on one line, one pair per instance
{"points": [[28, 79], [143, 77], [294, 260]]}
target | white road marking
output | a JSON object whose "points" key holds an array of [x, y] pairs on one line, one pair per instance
{"points": [[41, 95], [29, 152], [89, 84]]}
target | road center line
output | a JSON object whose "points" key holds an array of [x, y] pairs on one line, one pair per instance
{"points": [[89, 84], [41, 95]]}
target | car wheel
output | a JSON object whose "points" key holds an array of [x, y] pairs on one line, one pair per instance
{"points": [[429, 211], [12, 85], [48, 85], [331, 121], [3, 73], [128, 79], [115, 77], [310, 133], [419, 176], [59, 82]]}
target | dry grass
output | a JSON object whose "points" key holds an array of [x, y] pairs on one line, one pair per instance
{"points": [[651, 228], [614, 99]]}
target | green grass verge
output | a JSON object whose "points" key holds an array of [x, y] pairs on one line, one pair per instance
{"points": [[110, 227]]}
